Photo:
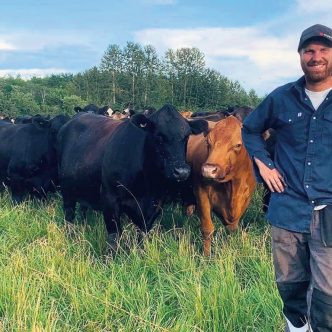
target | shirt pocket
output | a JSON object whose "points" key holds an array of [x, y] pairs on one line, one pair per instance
{"points": [[292, 127], [327, 128]]}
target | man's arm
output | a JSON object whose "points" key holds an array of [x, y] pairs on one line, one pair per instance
{"points": [[254, 125], [271, 177]]}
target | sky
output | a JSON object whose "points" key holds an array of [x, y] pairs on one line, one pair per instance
{"points": [[253, 42]]}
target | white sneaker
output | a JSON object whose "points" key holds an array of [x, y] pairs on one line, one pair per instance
{"points": [[291, 328]]}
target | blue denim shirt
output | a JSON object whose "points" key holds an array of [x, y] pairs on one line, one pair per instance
{"points": [[303, 152]]}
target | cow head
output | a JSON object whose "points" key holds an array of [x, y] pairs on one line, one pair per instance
{"points": [[169, 141], [241, 112], [225, 148]]}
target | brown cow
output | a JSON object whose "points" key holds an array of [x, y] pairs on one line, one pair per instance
{"points": [[223, 176], [186, 114]]}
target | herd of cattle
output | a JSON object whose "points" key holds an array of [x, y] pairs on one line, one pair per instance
{"points": [[132, 165]]}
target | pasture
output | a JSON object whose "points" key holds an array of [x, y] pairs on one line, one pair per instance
{"points": [[60, 278]]}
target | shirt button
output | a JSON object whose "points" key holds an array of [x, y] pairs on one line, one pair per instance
{"points": [[309, 163], [289, 120], [305, 98], [314, 118], [307, 186], [313, 202], [311, 141], [327, 98]]}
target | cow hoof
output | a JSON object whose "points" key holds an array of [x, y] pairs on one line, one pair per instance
{"points": [[190, 210]]}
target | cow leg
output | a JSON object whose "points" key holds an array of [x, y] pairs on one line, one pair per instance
{"points": [[204, 212], [83, 211], [111, 213], [144, 212], [69, 205], [17, 192], [111, 220]]}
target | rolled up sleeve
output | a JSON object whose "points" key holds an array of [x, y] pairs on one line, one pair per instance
{"points": [[253, 127]]}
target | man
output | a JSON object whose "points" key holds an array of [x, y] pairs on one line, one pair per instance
{"points": [[300, 180]]}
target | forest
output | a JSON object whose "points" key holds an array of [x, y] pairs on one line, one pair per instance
{"points": [[133, 76]]}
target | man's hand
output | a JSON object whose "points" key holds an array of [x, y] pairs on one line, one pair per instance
{"points": [[271, 177]]}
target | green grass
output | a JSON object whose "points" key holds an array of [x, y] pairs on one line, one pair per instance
{"points": [[60, 278]]}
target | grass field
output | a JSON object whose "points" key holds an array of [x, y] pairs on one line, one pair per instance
{"points": [[59, 278]]}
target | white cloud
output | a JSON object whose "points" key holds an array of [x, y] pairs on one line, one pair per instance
{"points": [[28, 73], [4, 45], [309, 6], [38, 40], [260, 56], [250, 55]]}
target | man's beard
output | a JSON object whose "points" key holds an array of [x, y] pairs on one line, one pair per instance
{"points": [[316, 77]]}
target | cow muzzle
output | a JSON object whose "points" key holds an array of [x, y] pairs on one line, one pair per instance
{"points": [[181, 173], [214, 172]]}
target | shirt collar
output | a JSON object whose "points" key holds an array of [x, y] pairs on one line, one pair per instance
{"points": [[298, 87]]}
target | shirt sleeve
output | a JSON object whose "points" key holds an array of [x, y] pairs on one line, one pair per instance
{"points": [[253, 127]]}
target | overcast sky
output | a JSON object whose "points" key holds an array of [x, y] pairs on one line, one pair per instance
{"points": [[253, 42]]}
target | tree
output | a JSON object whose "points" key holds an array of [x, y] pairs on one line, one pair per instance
{"points": [[185, 65], [112, 62], [134, 64], [69, 102], [150, 67]]}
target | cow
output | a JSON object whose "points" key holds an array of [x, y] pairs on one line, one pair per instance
{"points": [[223, 176], [23, 119], [5, 118], [92, 108], [123, 167], [213, 116], [186, 114], [240, 112], [208, 113], [147, 111], [28, 158]]}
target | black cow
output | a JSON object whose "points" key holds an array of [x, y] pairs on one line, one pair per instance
{"points": [[213, 116], [28, 158], [92, 108], [132, 160], [5, 118], [23, 119], [240, 112]]}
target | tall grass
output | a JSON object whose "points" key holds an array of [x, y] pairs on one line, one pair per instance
{"points": [[59, 278]]}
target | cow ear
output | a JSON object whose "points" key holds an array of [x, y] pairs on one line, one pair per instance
{"points": [[142, 122], [40, 122], [198, 126]]}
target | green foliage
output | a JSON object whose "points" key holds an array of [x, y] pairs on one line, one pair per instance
{"points": [[134, 75], [60, 278], [69, 102]]}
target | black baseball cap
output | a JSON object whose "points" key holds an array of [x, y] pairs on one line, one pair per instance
{"points": [[316, 32]]}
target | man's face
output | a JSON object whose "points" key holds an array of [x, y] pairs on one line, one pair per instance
{"points": [[316, 61]]}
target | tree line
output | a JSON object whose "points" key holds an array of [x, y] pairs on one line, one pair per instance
{"points": [[134, 76]]}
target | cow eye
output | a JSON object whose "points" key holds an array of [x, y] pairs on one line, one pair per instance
{"points": [[237, 146]]}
